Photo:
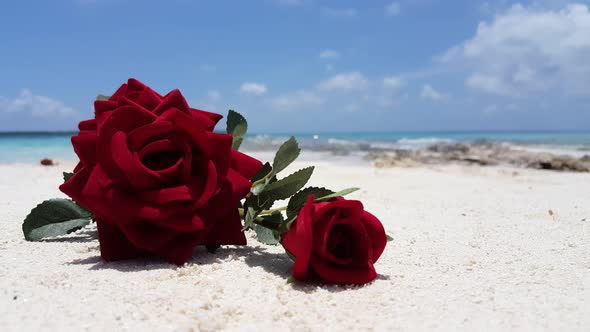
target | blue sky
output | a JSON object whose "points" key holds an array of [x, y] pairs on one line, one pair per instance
{"points": [[305, 65]]}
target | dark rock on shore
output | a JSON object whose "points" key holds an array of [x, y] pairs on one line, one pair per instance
{"points": [[47, 162], [561, 164], [478, 153]]}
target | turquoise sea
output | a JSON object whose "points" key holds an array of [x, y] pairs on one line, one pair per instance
{"points": [[31, 147]]}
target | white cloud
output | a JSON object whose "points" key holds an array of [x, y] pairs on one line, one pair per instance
{"points": [[527, 50], [428, 92], [36, 105], [489, 84], [252, 88], [393, 83], [393, 9], [340, 12], [379, 100], [214, 95], [295, 101], [344, 81], [329, 54]]}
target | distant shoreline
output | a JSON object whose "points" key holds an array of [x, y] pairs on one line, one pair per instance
{"points": [[338, 133]]}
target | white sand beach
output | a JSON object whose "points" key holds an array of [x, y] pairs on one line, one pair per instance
{"points": [[475, 248]]}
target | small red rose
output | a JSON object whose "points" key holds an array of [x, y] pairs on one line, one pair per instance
{"points": [[157, 178], [338, 241]]}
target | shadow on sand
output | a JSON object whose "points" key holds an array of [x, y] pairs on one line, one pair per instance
{"points": [[277, 264]]}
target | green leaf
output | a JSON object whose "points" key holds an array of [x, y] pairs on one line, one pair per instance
{"points": [[298, 200], [334, 195], [389, 237], [286, 187], [265, 235], [256, 204], [102, 97], [236, 142], [67, 176], [264, 171], [273, 221], [237, 126], [52, 230], [53, 218], [291, 280], [286, 154], [257, 189], [249, 218]]}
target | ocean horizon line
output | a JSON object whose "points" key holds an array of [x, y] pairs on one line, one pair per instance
{"points": [[305, 133]]}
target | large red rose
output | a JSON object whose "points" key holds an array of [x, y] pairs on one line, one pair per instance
{"points": [[337, 241], [156, 177]]}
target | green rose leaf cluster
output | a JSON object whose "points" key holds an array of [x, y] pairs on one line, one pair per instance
{"points": [[267, 188]]}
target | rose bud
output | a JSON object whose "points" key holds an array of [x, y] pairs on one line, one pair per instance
{"points": [[157, 178], [337, 241]]}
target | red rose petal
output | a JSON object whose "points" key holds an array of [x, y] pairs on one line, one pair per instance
{"points": [[244, 164], [346, 275], [225, 226], [299, 240], [209, 186], [108, 202], [129, 163], [212, 116], [119, 93], [220, 153], [352, 209], [87, 125], [162, 158], [192, 127], [149, 237], [103, 106], [134, 85], [148, 99], [125, 118], [73, 187], [168, 195], [174, 99], [240, 186], [114, 244], [376, 232], [182, 223], [85, 146], [141, 136]]}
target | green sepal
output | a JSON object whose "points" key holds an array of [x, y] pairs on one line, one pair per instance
{"points": [[67, 176], [102, 97], [272, 221]]}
